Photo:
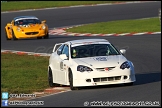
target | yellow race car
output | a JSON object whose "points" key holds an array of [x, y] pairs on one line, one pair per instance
{"points": [[26, 27]]}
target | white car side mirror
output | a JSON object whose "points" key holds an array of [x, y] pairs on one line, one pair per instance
{"points": [[123, 51], [63, 56]]}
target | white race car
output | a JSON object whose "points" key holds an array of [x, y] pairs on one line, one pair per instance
{"points": [[89, 62]]}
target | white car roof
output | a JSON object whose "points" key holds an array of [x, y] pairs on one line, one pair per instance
{"points": [[83, 41]]}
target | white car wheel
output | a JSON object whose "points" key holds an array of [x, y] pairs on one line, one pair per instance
{"points": [[50, 78], [71, 81]]}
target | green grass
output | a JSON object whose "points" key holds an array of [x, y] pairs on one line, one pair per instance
{"points": [[23, 73], [120, 26], [13, 6]]}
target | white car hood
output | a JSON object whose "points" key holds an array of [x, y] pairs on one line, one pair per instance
{"points": [[101, 61]]}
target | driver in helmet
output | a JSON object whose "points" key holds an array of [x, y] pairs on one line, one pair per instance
{"points": [[74, 53]]}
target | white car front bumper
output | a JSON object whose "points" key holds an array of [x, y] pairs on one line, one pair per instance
{"points": [[116, 76]]}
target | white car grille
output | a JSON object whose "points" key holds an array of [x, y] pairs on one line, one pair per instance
{"points": [[105, 69], [102, 79]]}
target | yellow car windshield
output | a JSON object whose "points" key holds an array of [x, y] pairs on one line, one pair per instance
{"points": [[27, 21]]}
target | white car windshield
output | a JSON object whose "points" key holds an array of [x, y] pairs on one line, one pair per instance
{"points": [[92, 50]]}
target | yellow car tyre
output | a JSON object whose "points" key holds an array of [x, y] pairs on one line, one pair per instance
{"points": [[7, 35], [46, 36], [13, 35], [39, 37]]}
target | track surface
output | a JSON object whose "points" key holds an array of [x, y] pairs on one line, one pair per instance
{"points": [[144, 51]]}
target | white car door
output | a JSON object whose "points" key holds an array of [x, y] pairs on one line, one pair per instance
{"points": [[56, 62], [62, 74]]}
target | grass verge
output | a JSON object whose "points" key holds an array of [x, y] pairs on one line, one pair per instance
{"points": [[21, 5], [121, 26], [23, 73]]}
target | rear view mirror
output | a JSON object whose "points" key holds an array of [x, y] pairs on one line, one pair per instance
{"points": [[59, 51], [12, 22], [44, 21], [8, 24]]}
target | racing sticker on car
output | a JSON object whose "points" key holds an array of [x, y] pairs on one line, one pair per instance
{"points": [[101, 59]]}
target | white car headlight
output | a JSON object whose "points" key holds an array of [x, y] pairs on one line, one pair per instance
{"points": [[82, 68], [43, 27], [18, 29], [125, 65]]}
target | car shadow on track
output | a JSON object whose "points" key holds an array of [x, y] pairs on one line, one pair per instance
{"points": [[145, 78]]}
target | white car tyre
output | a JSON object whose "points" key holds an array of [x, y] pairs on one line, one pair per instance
{"points": [[71, 81], [50, 78]]}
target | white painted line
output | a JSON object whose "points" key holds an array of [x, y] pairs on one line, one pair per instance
{"points": [[109, 34], [139, 33], [156, 33], [62, 33], [95, 34], [52, 94], [124, 34]]}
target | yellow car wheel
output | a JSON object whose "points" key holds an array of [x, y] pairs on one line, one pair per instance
{"points": [[7, 35], [13, 35], [46, 36], [39, 37]]}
